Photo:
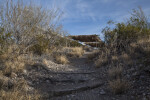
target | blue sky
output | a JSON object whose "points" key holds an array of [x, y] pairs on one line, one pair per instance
{"points": [[90, 16]]}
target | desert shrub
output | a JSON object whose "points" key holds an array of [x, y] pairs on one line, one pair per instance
{"points": [[115, 72], [30, 26], [24, 28], [18, 92], [61, 41], [128, 40], [103, 58], [62, 59], [118, 86], [125, 33], [101, 62], [76, 51], [17, 95], [125, 56], [16, 65], [73, 43], [14, 62], [93, 55], [41, 45], [114, 57]]}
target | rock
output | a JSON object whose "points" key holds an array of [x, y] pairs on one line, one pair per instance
{"points": [[25, 71], [128, 76], [102, 92], [144, 98], [143, 94], [27, 88], [135, 74], [142, 77], [48, 81], [13, 75], [37, 83]]}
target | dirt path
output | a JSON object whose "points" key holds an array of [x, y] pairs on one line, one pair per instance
{"points": [[65, 81], [85, 77], [79, 80]]}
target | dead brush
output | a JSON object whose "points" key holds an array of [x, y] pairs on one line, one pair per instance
{"points": [[19, 92], [118, 86], [115, 72], [125, 56], [93, 55], [76, 52], [114, 58], [102, 60], [62, 59], [13, 61], [16, 65], [11, 53]]}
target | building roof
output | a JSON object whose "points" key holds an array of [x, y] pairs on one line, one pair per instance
{"points": [[86, 38]]}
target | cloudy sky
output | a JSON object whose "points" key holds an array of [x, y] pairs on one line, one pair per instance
{"points": [[90, 16]]}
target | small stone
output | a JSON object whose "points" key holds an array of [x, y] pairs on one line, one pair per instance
{"points": [[13, 75], [128, 76], [47, 81], [142, 76], [25, 71], [29, 88], [144, 98], [102, 92], [144, 94]]}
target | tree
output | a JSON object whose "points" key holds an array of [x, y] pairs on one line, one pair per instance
{"points": [[138, 18], [26, 23]]}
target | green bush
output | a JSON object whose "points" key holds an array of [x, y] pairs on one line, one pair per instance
{"points": [[41, 45], [125, 33]]}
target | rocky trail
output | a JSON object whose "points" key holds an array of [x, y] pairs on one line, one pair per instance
{"points": [[57, 81], [79, 80]]}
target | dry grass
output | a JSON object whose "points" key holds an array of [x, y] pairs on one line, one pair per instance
{"points": [[86, 48], [127, 59], [76, 52], [62, 59], [13, 63], [102, 60], [45, 62], [19, 92], [16, 95], [16, 65], [118, 86], [125, 56], [93, 55], [115, 72], [114, 58]]}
